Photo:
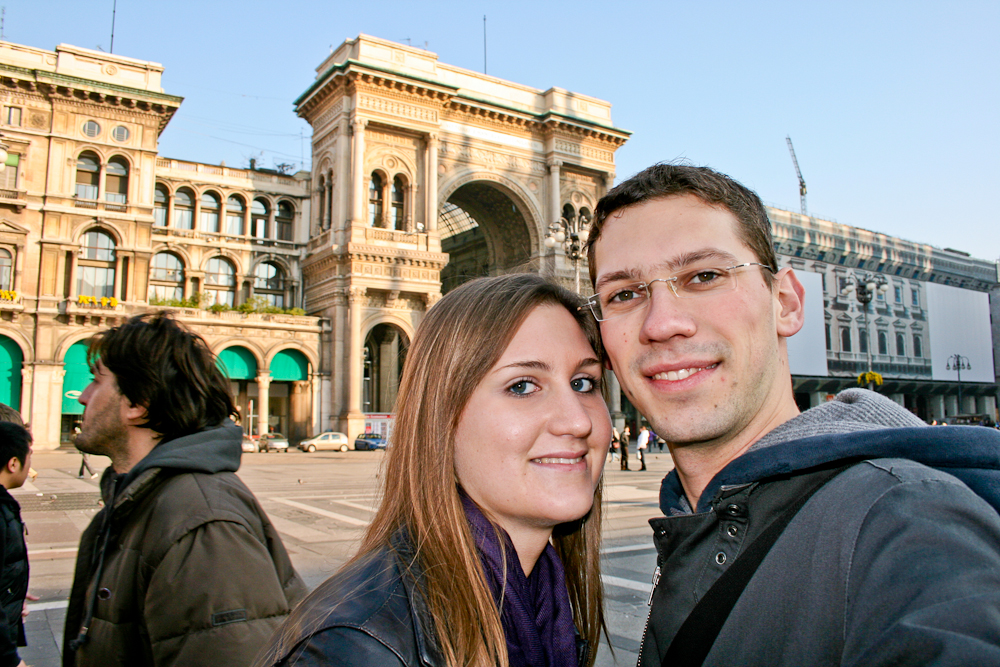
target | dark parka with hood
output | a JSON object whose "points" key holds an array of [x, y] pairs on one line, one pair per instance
{"points": [[13, 579], [894, 561], [182, 566]]}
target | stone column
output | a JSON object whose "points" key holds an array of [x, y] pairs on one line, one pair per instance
{"points": [[614, 400], [358, 180], [74, 261], [343, 178], [951, 405], [432, 182], [339, 358], [555, 208], [15, 281], [935, 407], [355, 358], [388, 357], [263, 405]]}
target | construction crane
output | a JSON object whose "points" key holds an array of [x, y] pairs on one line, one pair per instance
{"points": [[798, 172]]}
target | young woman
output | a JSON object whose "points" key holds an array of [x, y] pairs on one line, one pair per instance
{"points": [[485, 548]]}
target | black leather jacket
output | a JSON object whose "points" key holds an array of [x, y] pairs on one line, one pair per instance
{"points": [[371, 614]]}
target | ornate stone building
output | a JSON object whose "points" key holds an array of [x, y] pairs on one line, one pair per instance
{"points": [[426, 175]]}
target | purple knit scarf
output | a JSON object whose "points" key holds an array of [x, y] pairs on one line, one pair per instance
{"points": [[536, 615]]}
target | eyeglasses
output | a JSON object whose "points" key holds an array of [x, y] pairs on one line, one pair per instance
{"points": [[698, 281]]}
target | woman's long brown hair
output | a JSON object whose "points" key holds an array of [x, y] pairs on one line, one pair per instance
{"points": [[460, 339]]}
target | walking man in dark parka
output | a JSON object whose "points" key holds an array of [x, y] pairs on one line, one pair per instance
{"points": [[182, 566]]}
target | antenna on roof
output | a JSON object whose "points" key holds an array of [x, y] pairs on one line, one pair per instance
{"points": [[484, 43], [114, 11]]}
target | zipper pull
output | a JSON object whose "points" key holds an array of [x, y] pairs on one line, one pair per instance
{"points": [[656, 580]]}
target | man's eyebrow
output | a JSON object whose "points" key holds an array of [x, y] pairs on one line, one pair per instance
{"points": [[670, 264]]}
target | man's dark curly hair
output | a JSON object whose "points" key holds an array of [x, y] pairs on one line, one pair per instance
{"points": [[168, 370]]}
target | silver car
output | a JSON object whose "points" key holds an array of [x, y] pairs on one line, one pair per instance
{"points": [[330, 440], [275, 441]]}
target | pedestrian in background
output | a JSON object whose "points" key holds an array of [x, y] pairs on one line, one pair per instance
{"points": [[15, 457], [616, 440], [642, 443], [626, 437], [181, 567], [486, 547]]}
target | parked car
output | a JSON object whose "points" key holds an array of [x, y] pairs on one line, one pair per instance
{"points": [[330, 440], [369, 441], [250, 446], [275, 441]]}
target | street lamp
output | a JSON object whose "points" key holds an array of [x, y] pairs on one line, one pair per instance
{"points": [[568, 232], [864, 290], [957, 362]]}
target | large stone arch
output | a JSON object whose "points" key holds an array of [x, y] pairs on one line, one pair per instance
{"points": [[495, 230], [386, 342]]}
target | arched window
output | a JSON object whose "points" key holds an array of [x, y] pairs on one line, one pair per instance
{"points": [[6, 266], [96, 268], [845, 339], [375, 201], [283, 221], [184, 209], [883, 343], [88, 175], [269, 283], [863, 341], [166, 278], [398, 203], [585, 215], [918, 346], [209, 213], [259, 213], [322, 203], [568, 212], [900, 345], [235, 212], [220, 282], [160, 197], [116, 185]]}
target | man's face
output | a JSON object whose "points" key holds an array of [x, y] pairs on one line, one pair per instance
{"points": [[705, 369], [103, 430]]}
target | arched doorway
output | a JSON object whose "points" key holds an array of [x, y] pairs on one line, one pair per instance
{"points": [[290, 395], [385, 353], [77, 377], [485, 232], [240, 366], [11, 360]]}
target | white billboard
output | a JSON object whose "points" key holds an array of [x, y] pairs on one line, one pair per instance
{"points": [[807, 348], [959, 323]]}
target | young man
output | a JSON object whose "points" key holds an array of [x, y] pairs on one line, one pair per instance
{"points": [[887, 562], [182, 566], [642, 443], [15, 456]]}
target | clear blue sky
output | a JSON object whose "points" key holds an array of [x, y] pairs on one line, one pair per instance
{"points": [[893, 106]]}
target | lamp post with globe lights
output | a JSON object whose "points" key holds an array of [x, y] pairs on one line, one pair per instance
{"points": [[864, 290], [569, 232], [957, 362]]}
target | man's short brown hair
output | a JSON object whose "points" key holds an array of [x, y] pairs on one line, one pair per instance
{"points": [[715, 189]]}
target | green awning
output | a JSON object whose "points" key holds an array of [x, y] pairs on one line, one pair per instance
{"points": [[11, 360], [238, 363], [78, 376], [289, 366]]}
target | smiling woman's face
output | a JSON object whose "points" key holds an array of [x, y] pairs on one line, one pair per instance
{"points": [[531, 442]]}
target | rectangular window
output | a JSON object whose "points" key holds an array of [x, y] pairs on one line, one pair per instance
{"points": [[209, 221], [160, 216], [166, 292], [284, 230], [8, 177], [13, 116], [96, 281], [184, 218], [915, 297], [898, 291], [86, 191], [234, 225]]}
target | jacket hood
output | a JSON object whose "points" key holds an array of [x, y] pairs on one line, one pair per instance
{"points": [[856, 426], [210, 451]]}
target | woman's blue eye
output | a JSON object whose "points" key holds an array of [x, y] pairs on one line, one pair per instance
{"points": [[582, 385], [522, 387]]}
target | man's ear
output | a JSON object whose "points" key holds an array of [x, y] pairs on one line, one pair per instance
{"points": [[13, 465], [134, 414], [789, 302]]}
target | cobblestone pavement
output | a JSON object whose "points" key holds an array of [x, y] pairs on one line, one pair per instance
{"points": [[320, 503]]}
